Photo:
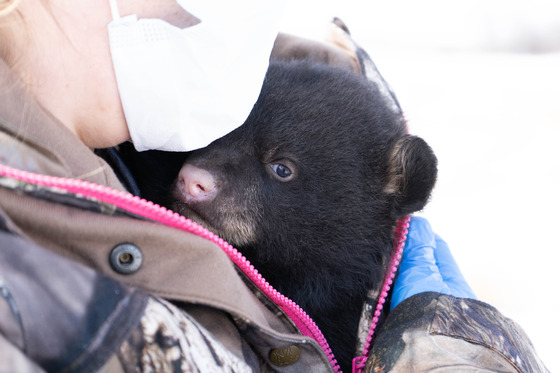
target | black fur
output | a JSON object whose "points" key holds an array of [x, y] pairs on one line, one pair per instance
{"points": [[324, 237]]}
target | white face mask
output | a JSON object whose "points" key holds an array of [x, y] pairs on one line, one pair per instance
{"points": [[183, 88]]}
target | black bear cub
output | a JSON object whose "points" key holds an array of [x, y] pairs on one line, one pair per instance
{"points": [[310, 189]]}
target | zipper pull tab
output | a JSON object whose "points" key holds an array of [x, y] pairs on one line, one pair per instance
{"points": [[358, 364]]}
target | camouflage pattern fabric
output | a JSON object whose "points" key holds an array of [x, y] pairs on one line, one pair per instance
{"points": [[435, 332], [168, 340]]}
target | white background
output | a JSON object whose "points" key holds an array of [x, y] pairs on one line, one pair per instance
{"points": [[480, 81]]}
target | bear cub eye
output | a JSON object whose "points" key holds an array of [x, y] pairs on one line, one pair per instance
{"points": [[284, 171]]}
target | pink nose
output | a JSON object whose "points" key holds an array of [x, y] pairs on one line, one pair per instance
{"points": [[197, 184]]}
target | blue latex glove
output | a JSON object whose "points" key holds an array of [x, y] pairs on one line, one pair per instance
{"points": [[427, 265]]}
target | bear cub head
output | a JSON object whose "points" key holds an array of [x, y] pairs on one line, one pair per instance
{"points": [[310, 189]]}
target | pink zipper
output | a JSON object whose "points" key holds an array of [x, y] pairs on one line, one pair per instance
{"points": [[359, 363], [160, 214]]}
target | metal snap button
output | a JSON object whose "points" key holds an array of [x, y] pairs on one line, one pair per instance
{"points": [[126, 258], [285, 356]]}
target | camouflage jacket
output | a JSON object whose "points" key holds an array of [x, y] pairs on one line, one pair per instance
{"points": [[71, 300]]}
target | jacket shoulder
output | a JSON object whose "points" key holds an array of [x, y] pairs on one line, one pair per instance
{"points": [[431, 331], [58, 315]]}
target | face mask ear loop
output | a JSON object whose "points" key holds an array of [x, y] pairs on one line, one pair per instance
{"points": [[114, 10]]}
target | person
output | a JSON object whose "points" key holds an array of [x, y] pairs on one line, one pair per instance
{"points": [[92, 279]]}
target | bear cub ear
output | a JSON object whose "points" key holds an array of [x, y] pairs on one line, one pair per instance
{"points": [[411, 175]]}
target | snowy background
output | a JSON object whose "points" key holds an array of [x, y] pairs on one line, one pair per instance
{"points": [[480, 81]]}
